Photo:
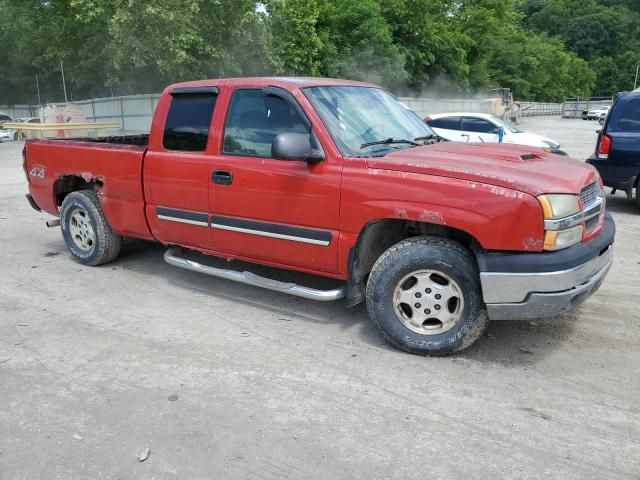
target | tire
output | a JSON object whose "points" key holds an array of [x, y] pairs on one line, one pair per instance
{"points": [[85, 230], [601, 121], [638, 195], [427, 259]]}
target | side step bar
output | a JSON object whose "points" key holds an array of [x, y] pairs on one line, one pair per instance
{"points": [[172, 257]]}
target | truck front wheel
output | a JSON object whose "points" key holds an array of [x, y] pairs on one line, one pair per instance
{"points": [[423, 295], [85, 230]]}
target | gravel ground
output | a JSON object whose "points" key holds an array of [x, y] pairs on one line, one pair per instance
{"points": [[269, 386]]}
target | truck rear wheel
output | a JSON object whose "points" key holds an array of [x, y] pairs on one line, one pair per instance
{"points": [[423, 295], [85, 230]]}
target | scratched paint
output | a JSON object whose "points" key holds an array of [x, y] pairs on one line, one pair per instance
{"points": [[432, 216], [532, 244], [400, 212]]}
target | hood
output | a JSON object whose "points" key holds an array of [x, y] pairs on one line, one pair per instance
{"points": [[525, 169], [531, 139]]}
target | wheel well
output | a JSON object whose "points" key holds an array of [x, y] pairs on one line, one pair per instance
{"points": [[377, 236], [72, 183]]}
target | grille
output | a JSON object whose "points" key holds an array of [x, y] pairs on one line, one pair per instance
{"points": [[591, 223], [589, 194]]}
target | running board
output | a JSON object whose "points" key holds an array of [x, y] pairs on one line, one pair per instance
{"points": [[172, 257]]}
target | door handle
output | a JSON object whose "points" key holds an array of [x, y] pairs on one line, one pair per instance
{"points": [[221, 177]]}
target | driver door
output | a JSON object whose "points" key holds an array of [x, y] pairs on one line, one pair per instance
{"points": [[285, 213], [480, 130]]}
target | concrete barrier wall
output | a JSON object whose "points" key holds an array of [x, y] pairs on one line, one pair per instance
{"points": [[18, 111], [135, 112], [426, 106]]}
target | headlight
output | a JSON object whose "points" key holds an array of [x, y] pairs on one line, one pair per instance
{"points": [[556, 206], [559, 239]]}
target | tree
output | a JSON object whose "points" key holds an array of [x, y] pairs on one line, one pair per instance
{"points": [[357, 43], [296, 40]]}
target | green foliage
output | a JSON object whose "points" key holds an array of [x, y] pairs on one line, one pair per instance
{"points": [[606, 33], [296, 39], [542, 49]]}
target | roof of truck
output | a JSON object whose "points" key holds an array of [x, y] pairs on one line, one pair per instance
{"points": [[285, 82]]}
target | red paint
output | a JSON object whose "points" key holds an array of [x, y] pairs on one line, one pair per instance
{"points": [[486, 190]]}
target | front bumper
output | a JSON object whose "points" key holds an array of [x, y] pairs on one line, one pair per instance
{"points": [[538, 285]]}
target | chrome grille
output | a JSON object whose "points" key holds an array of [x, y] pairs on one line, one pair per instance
{"points": [[589, 194], [591, 223]]}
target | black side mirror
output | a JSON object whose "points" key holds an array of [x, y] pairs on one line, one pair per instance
{"points": [[295, 146]]}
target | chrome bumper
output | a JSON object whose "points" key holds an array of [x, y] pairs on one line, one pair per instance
{"points": [[523, 296]]}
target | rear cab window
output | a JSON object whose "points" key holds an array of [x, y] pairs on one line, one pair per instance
{"points": [[630, 117], [447, 123], [189, 119]]}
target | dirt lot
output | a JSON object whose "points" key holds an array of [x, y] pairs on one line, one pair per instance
{"points": [[271, 386]]}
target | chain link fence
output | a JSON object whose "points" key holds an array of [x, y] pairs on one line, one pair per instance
{"points": [[573, 107]]}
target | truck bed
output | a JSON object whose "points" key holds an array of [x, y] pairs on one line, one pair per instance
{"points": [[110, 165], [140, 140]]}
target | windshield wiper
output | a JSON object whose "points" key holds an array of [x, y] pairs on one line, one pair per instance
{"points": [[429, 137], [389, 141]]}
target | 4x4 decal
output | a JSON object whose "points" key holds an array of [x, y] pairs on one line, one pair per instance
{"points": [[37, 172]]}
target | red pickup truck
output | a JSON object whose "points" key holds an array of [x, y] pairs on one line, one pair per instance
{"points": [[338, 179]]}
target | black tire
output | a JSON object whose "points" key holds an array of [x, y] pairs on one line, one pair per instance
{"points": [[426, 253], [638, 194], [103, 245]]}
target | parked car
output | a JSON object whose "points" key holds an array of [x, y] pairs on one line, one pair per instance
{"points": [[24, 135], [337, 179], [484, 128], [602, 117], [598, 112], [617, 154], [6, 134]]}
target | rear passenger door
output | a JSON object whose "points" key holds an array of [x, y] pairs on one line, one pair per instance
{"points": [[276, 211], [176, 167], [479, 130]]}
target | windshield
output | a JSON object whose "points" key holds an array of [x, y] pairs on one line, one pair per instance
{"points": [[506, 125], [360, 119]]}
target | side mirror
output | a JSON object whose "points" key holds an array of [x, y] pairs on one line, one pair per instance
{"points": [[295, 146]]}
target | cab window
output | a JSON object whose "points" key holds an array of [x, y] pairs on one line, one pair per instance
{"points": [[254, 119], [188, 121]]}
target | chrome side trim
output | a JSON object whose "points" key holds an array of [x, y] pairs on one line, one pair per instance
{"points": [[498, 287], [183, 220], [189, 217], [561, 223], [172, 257], [262, 233]]}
